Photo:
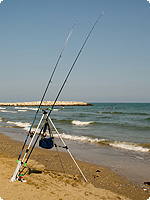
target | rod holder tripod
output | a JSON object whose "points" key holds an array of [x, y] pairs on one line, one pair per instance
{"points": [[20, 163]]}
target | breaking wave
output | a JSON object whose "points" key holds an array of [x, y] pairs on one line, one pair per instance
{"points": [[25, 108], [129, 146], [23, 125], [26, 126], [116, 144], [22, 110], [1, 108], [79, 123], [80, 138], [8, 111]]}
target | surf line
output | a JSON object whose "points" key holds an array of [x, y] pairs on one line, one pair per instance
{"points": [[20, 163], [49, 82]]}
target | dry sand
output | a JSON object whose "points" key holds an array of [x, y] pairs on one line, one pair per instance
{"points": [[46, 179]]}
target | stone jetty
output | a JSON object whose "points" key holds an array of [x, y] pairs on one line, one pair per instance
{"points": [[47, 103]]}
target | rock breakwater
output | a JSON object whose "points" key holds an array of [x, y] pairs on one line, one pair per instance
{"points": [[47, 103]]}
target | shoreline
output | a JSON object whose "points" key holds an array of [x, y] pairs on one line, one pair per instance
{"points": [[47, 103], [125, 164], [100, 177]]}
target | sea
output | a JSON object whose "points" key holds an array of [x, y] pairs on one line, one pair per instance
{"points": [[116, 135]]}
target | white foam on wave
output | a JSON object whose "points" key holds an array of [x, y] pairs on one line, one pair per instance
{"points": [[26, 126], [25, 108], [116, 144], [79, 123], [20, 124], [129, 146], [8, 111], [56, 109], [22, 110], [1, 108], [79, 138]]}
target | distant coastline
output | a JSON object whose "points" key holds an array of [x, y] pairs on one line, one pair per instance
{"points": [[47, 103]]}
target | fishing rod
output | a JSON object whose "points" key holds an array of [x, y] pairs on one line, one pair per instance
{"points": [[14, 177], [51, 109], [50, 81], [74, 64]]}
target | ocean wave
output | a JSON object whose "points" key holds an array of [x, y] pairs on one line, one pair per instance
{"points": [[56, 109], [1, 108], [105, 117], [80, 138], [65, 121], [8, 111], [132, 126], [86, 139], [123, 113], [79, 123], [3, 119], [107, 123], [111, 112], [20, 124], [26, 126], [28, 108], [116, 144], [25, 108], [144, 114], [129, 146], [22, 110], [124, 125]]}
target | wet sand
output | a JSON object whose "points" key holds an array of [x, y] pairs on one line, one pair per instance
{"points": [[46, 178]]}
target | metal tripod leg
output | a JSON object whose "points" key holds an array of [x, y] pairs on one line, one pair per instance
{"points": [[67, 149]]}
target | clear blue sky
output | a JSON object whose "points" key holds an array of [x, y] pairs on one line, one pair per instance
{"points": [[113, 67]]}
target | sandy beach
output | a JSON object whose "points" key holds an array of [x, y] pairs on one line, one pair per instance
{"points": [[46, 178]]}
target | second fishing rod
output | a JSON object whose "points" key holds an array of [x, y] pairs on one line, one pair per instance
{"points": [[51, 109]]}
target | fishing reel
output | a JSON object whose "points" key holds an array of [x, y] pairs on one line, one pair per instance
{"points": [[31, 133]]}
